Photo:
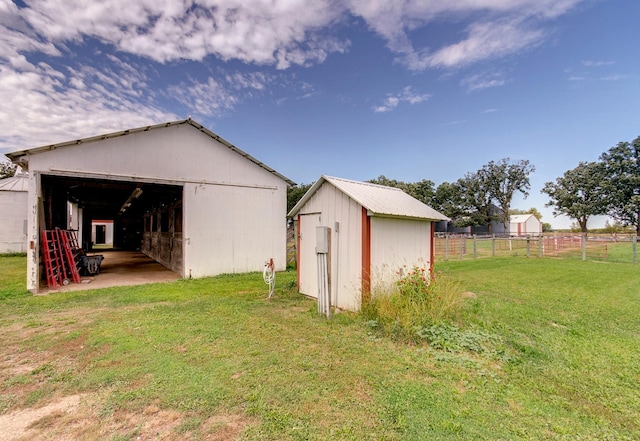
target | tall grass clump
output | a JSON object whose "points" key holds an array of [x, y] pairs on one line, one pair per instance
{"points": [[413, 302]]}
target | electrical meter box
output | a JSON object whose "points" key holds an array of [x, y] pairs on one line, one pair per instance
{"points": [[322, 240]]}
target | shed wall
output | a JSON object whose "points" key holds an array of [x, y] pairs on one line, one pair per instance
{"points": [[332, 206], [13, 218], [531, 226], [397, 245]]}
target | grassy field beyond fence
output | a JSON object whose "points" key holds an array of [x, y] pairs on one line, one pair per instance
{"points": [[611, 248], [545, 349]]}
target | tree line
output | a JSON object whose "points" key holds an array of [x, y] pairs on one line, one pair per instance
{"points": [[609, 186], [470, 201]]}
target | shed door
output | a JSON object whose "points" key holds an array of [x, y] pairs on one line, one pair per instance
{"points": [[308, 260]]}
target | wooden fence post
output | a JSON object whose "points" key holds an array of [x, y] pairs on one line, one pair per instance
{"points": [[446, 247], [493, 245], [540, 245], [475, 247]]}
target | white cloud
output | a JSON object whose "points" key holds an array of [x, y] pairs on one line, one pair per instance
{"points": [[485, 40], [498, 27], [483, 81], [406, 96], [42, 102], [276, 32], [280, 32], [210, 98], [43, 105], [593, 63], [614, 77]]}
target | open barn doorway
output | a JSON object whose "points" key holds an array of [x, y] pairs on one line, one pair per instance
{"points": [[114, 216]]}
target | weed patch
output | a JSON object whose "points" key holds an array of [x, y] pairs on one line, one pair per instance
{"points": [[410, 308]]}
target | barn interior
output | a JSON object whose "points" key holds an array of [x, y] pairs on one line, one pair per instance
{"points": [[147, 217]]}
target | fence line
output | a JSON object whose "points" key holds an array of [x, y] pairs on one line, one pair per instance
{"points": [[613, 248]]}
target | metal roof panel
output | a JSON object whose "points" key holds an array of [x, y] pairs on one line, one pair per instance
{"points": [[379, 200]]}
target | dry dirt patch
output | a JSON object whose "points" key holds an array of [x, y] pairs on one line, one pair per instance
{"points": [[22, 424]]}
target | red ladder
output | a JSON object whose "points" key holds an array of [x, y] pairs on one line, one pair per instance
{"points": [[70, 252], [51, 258]]}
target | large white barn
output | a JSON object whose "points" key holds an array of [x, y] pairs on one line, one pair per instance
{"points": [[13, 213], [374, 231], [176, 191]]}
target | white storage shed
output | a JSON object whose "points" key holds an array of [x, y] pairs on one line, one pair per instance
{"points": [[524, 225], [175, 191], [373, 232], [13, 213]]}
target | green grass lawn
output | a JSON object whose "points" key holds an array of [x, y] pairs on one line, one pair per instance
{"points": [[551, 354]]}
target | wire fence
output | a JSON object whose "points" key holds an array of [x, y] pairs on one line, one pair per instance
{"points": [[610, 248]]}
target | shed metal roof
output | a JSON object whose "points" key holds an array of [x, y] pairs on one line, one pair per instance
{"points": [[520, 218], [17, 155], [17, 182], [379, 200]]}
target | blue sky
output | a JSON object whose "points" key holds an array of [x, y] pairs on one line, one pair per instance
{"points": [[408, 89]]}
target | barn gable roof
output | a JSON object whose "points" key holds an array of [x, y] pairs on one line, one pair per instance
{"points": [[379, 200], [17, 157]]}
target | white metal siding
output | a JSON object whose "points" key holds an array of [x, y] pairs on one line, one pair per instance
{"points": [[13, 218], [179, 153], [232, 229], [346, 246], [528, 225], [398, 245], [233, 212]]}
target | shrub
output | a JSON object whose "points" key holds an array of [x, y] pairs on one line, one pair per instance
{"points": [[413, 302]]}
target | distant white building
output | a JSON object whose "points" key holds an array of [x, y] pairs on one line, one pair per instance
{"points": [[13, 213], [176, 191], [524, 225], [374, 231]]}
